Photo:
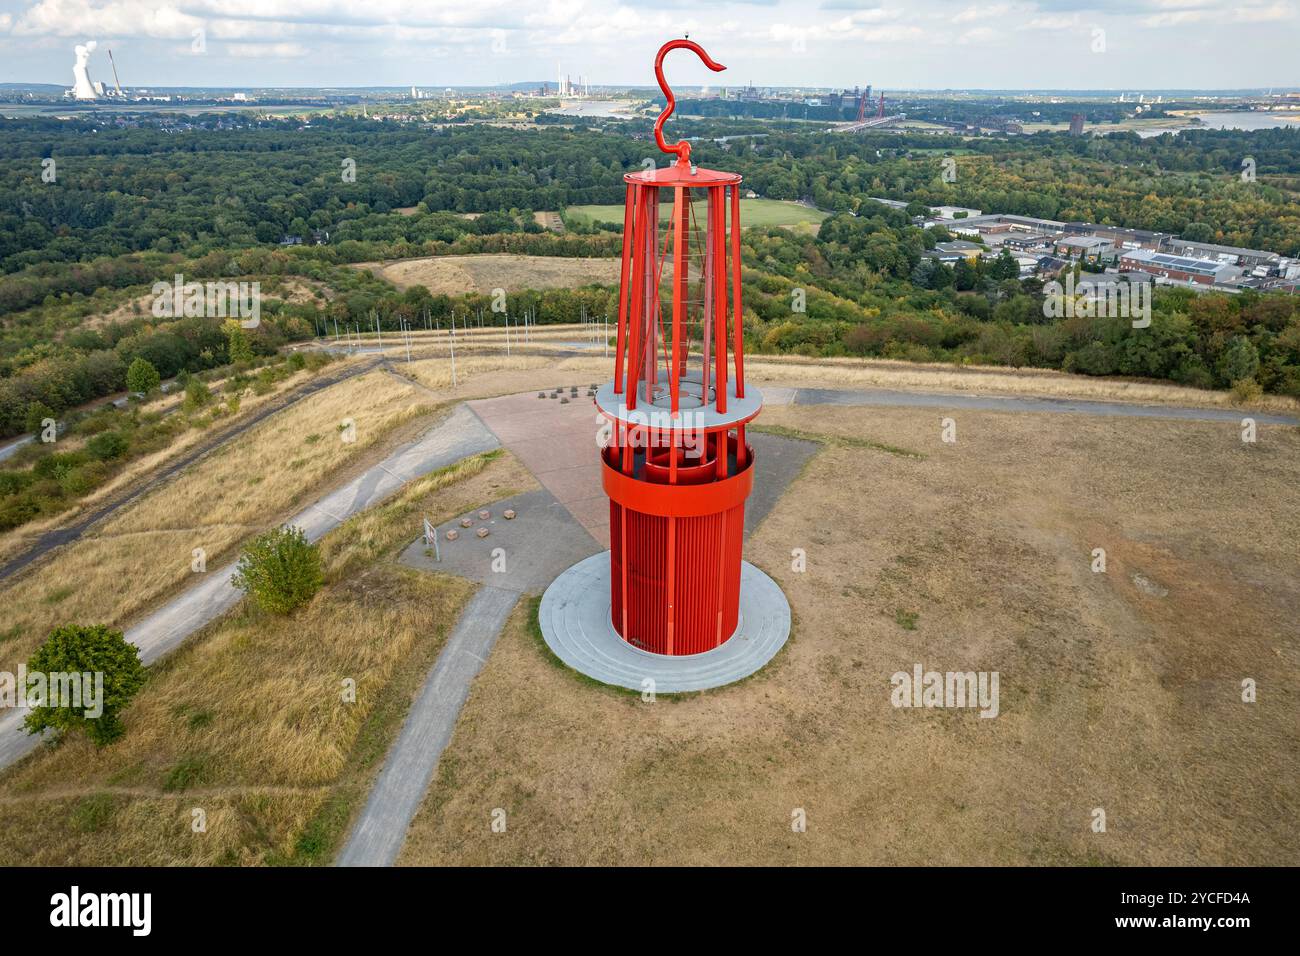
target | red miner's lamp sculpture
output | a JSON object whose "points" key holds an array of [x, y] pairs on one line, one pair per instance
{"points": [[677, 468]]}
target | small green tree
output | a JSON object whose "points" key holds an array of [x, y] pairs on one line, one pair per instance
{"points": [[106, 446], [280, 570], [197, 395], [37, 412], [238, 348], [1240, 361], [87, 649], [142, 377]]}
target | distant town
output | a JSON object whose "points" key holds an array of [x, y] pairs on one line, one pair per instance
{"points": [[1046, 247]]}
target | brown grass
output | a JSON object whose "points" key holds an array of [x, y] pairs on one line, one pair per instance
{"points": [[144, 551], [975, 557], [453, 275], [794, 371], [247, 720], [141, 468], [798, 371]]}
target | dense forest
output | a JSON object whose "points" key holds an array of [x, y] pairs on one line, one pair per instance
{"points": [[135, 202]]}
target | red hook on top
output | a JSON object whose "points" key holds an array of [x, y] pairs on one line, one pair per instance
{"points": [[681, 147]]}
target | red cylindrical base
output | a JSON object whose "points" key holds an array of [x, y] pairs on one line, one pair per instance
{"points": [[675, 555], [706, 585]]}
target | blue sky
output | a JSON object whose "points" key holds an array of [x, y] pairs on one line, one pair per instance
{"points": [[1012, 44]]}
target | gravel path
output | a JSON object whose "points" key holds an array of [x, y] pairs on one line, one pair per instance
{"points": [[461, 434]]}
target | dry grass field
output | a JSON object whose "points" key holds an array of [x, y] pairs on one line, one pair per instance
{"points": [[143, 552], [203, 425], [247, 721], [797, 371], [454, 275], [794, 371], [1118, 690]]}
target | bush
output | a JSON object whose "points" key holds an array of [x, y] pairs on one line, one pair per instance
{"points": [[12, 482], [1239, 361], [37, 412], [81, 481], [142, 377], [17, 511], [107, 446], [88, 649], [1246, 391], [59, 465], [197, 395], [280, 570]]}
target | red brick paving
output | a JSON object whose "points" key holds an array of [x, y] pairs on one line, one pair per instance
{"points": [[557, 443]]}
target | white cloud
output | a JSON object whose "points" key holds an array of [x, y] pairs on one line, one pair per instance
{"points": [[265, 50], [817, 42], [122, 18]]}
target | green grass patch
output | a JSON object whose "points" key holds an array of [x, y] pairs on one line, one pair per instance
{"points": [[187, 772], [753, 212], [93, 813]]}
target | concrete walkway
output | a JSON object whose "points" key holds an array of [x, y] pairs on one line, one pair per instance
{"points": [[381, 829], [536, 545], [885, 397], [460, 435]]}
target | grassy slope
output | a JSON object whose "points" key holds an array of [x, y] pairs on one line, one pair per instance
{"points": [[976, 556], [247, 721]]}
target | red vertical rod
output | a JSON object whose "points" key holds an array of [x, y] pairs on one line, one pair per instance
{"points": [[710, 247], [651, 271], [679, 292], [737, 312], [635, 320], [684, 354], [628, 227], [720, 294]]}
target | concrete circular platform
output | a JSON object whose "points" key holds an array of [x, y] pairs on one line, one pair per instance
{"points": [[574, 617]]}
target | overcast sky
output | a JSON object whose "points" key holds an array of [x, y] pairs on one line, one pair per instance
{"points": [[1016, 44]]}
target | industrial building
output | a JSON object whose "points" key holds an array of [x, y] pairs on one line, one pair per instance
{"points": [[949, 252], [1234, 255], [1085, 248], [1181, 270], [1121, 237]]}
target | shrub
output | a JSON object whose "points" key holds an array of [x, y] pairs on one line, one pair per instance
{"points": [[1239, 361], [1246, 391], [59, 465], [142, 376], [12, 482], [280, 570], [197, 395], [88, 649], [84, 479], [107, 446], [17, 511], [37, 412]]}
